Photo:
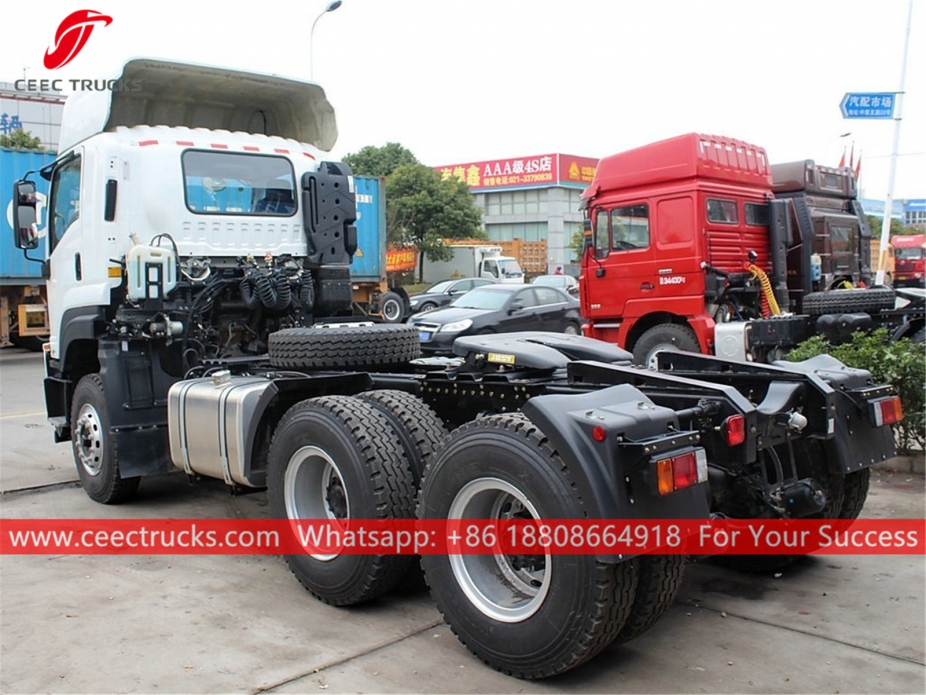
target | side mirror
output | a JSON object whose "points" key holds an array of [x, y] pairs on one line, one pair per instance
{"points": [[24, 216]]}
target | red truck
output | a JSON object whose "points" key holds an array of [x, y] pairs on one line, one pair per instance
{"points": [[909, 260], [697, 243]]}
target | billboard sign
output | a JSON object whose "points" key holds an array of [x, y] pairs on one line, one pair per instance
{"points": [[523, 172]]}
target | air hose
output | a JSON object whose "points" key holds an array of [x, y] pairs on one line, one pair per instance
{"points": [[768, 303]]}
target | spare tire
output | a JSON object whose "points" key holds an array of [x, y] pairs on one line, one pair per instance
{"points": [[864, 300], [319, 347]]}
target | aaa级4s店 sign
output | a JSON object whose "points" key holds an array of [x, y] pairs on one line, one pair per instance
{"points": [[523, 172]]}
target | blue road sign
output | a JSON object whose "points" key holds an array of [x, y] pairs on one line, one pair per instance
{"points": [[867, 105]]}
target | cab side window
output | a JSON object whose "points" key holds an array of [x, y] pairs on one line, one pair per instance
{"points": [[630, 228], [65, 201], [600, 240], [722, 211]]}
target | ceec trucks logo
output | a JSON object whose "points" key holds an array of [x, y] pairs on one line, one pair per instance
{"points": [[71, 36]]}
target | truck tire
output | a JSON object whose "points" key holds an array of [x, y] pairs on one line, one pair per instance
{"points": [[392, 308], [533, 616], [659, 577], [94, 447], [336, 347], [666, 336], [335, 457], [854, 493], [846, 495], [848, 301], [919, 336], [417, 426]]}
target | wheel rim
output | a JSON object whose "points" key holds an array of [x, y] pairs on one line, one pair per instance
{"points": [[572, 329], [392, 310], [313, 488], [507, 588], [651, 359], [427, 307], [89, 438]]}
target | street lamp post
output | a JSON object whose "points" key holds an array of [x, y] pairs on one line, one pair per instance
{"points": [[332, 6]]}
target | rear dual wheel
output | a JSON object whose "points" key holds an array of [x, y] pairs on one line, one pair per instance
{"points": [[531, 616], [338, 458]]}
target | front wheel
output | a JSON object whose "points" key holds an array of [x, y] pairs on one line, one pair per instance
{"points": [[531, 616], [667, 336], [94, 446]]}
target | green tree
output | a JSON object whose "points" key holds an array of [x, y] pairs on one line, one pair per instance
{"points": [[379, 161], [897, 228], [577, 244], [19, 139], [422, 210]]}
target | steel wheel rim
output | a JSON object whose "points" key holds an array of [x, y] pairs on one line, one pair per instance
{"points": [[495, 583], [392, 310], [89, 439], [313, 488], [572, 329], [651, 362]]}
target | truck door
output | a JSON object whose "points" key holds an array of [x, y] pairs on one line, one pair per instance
{"points": [[79, 284], [489, 269], [624, 261], [677, 262]]}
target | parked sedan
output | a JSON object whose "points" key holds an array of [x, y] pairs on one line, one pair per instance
{"points": [[498, 308], [567, 283], [443, 293]]}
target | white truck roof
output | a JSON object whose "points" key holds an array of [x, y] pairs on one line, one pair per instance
{"points": [[161, 93]]}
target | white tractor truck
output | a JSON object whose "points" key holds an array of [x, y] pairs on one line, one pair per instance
{"points": [[199, 298]]}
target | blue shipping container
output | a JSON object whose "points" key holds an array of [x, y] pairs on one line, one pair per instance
{"points": [[368, 262], [14, 268]]}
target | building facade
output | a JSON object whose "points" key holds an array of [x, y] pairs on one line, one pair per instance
{"points": [[909, 211], [532, 198], [37, 113]]}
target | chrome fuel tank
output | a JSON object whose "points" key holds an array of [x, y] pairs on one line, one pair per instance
{"points": [[212, 423]]}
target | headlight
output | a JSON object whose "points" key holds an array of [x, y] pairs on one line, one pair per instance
{"points": [[455, 327], [413, 302]]}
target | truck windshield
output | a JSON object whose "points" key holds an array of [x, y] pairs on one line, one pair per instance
{"points": [[910, 254], [510, 269], [230, 183]]}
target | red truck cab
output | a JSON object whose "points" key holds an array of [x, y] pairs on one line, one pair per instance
{"points": [[909, 260], [660, 215]]}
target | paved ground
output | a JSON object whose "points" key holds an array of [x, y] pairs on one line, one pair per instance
{"points": [[207, 624]]}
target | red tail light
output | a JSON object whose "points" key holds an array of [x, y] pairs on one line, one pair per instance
{"points": [[886, 411], [734, 430], [681, 471]]}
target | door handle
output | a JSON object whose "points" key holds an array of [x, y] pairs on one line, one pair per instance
{"points": [[647, 286], [78, 273]]}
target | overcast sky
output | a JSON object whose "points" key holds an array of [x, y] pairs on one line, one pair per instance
{"points": [[467, 80]]}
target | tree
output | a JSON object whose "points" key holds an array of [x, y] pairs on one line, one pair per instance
{"points": [[897, 227], [379, 161], [577, 244], [422, 210], [19, 139]]}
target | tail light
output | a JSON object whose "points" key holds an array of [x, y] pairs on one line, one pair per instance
{"points": [[886, 411], [681, 471], [734, 430]]}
